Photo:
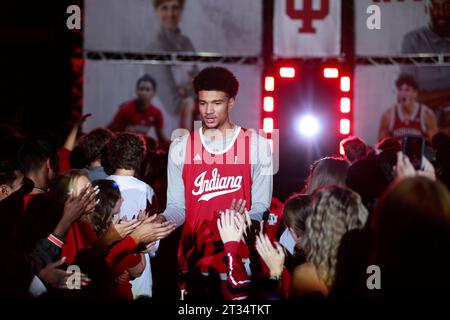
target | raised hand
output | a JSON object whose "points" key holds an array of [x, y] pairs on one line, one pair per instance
{"points": [[74, 207], [239, 206], [404, 168], [231, 226], [272, 256], [57, 278], [124, 228], [143, 214], [150, 230], [428, 169], [82, 119]]}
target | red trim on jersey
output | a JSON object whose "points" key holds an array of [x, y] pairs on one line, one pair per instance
{"points": [[409, 126]]}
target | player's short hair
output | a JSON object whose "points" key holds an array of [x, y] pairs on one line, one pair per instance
{"points": [[157, 3], [407, 79], [126, 151], [146, 78], [216, 79]]}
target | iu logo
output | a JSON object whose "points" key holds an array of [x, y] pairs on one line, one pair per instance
{"points": [[308, 14]]}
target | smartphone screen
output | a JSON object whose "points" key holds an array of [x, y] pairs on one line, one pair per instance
{"points": [[413, 147]]}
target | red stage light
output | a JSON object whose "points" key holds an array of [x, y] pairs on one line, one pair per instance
{"points": [[287, 72], [330, 72], [345, 126], [345, 84], [268, 125], [345, 105], [268, 104], [269, 83]]}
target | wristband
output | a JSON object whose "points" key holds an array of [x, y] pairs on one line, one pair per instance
{"points": [[55, 240]]}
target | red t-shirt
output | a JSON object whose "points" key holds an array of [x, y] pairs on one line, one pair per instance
{"points": [[130, 119]]}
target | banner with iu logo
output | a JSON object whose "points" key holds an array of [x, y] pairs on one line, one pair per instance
{"points": [[307, 28]]}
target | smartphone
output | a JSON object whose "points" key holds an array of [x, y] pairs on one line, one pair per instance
{"points": [[414, 147]]}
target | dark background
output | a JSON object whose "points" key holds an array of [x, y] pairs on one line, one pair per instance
{"points": [[36, 78]]}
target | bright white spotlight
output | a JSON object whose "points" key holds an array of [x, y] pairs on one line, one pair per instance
{"points": [[308, 126]]}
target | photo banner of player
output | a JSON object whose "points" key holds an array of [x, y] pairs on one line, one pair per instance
{"points": [[232, 27], [110, 86], [402, 27], [307, 28], [377, 98]]}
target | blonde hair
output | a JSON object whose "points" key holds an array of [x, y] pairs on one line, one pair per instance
{"points": [[64, 185], [336, 210]]}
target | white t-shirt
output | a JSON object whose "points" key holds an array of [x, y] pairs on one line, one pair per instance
{"points": [[287, 241], [135, 194]]}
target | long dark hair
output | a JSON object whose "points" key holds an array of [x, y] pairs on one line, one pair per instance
{"points": [[296, 210], [324, 172], [109, 194]]}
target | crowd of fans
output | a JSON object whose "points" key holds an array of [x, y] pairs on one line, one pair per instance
{"points": [[60, 205]]}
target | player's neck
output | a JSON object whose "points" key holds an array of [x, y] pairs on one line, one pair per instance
{"points": [[408, 109], [124, 172], [143, 105], [39, 180], [95, 164], [225, 130]]}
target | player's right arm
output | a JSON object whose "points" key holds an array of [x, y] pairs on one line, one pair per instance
{"points": [[175, 210], [384, 125]]}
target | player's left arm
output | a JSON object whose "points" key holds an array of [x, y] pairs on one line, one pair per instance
{"points": [[431, 125], [262, 176]]}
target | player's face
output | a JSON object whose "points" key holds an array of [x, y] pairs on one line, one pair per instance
{"points": [[145, 91], [169, 13], [439, 11], [214, 108], [406, 94]]}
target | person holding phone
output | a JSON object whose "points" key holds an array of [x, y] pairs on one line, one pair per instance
{"points": [[404, 168], [408, 116]]}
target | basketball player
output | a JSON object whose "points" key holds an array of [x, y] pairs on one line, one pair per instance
{"points": [[209, 168], [407, 117]]}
